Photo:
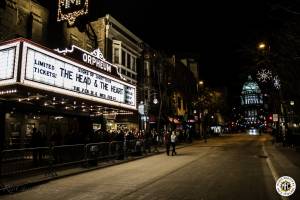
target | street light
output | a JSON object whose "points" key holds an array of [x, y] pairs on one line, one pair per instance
{"points": [[200, 89], [261, 45], [150, 96], [155, 101], [264, 47]]}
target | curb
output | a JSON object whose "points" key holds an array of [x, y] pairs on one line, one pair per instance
{"points": [[23, 187]]}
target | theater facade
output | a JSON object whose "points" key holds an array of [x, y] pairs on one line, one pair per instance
{"points": [[60, 92]]}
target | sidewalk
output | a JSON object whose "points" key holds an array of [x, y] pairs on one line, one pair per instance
{"points": [[21, 183]]}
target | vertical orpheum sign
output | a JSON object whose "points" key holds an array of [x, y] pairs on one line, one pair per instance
{"points": [[69, 10]]}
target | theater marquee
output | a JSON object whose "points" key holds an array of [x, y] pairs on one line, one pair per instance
{"points": [[45, 70]]}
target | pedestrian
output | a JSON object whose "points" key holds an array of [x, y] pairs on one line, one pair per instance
{"points": [[173, 143], [35, 143], [167, 140], [155, 139]]}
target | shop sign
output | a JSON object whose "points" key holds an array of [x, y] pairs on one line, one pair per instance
{"points": [[43, 68], [69, 10], [141, 109], [275, 117]]}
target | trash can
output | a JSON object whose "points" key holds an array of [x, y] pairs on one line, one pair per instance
{"points": [[93, 155], [138, 148]]}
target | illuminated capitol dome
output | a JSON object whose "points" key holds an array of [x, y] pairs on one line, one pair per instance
{"points": [[252, 102]]}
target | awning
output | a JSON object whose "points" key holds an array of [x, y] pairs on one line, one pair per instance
{"points": [[174, 120]]}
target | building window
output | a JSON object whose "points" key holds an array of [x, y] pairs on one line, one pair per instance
{"points": [[89, 47], [116, 56], [146, 68], [123, 71], [75, 41], [132, 63], [128, 61], [123, 57]]}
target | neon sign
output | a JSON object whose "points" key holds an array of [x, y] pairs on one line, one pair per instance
{"points": [[69, 10]]}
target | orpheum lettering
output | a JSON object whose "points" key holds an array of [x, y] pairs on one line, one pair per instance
{"points": [[96, 62]]}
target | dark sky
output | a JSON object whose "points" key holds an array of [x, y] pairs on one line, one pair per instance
{"points": [[211, 30]]}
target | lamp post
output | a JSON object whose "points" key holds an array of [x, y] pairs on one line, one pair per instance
{"points": [[292, 103], [149, 100], [199, 88]]}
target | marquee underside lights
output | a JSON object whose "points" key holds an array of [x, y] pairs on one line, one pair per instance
{"points": [[8, 91], [69, 10]]}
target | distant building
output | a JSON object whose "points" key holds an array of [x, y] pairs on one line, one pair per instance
{"points": [[192, 65], [252, 103]]}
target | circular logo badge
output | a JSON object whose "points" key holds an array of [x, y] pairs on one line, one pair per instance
{"points": [[285, 186]]}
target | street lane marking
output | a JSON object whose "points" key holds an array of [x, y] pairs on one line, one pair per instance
{"points": [[272, 169]]}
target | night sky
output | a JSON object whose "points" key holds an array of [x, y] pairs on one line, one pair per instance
{"points": [[213, 31]]}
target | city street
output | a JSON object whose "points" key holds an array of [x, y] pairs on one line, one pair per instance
{"points": [[227, 167]]}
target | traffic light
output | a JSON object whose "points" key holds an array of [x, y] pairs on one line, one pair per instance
{"points": [[270, 118]]}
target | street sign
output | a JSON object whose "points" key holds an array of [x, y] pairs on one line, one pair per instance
{"points": [[275, 117], [141, 108]]}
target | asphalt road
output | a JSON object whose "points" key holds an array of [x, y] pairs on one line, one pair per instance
{"points": [[228, 167]]}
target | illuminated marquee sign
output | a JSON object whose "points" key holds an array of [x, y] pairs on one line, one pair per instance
{"points": [[69, 10], [93, 59], [8, 63], [45, 70]]}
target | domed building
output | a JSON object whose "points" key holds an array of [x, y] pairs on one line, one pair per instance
{"points": [[252, 104]]}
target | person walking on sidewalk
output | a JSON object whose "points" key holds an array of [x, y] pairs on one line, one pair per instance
{"points": [[167, 140], [173, 143], [155, 139]]}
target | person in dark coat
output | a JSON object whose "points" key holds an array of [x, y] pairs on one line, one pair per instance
{"points": [[36, 142], [167, 139]]}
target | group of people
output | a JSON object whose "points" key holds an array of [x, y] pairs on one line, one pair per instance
{"points": [[170, 140]]}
